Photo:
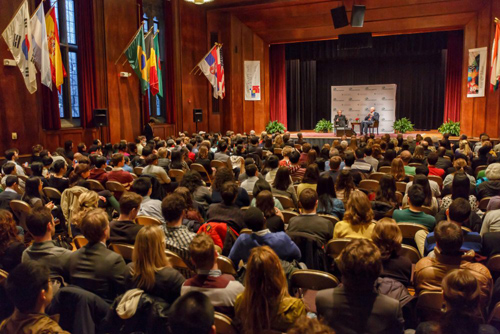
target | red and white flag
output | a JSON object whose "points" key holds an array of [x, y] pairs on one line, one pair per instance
{"points": [[221, 82], [495, 61]]}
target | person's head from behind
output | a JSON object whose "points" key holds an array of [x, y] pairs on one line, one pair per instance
{"points": [[60, 167], [449, 237], [265, 202], [8, 230], [273, 162], [460, 186], [142, 186], [87, 201], [202, 252], [387, 190], [459, 211], [95, 226], [68, 145], [432, 159], [254, 219], [29, 288], [416, 196], [117, 160], [148, 256], [349, 159], [306, 325], [12, 181], [405, 157], [192, 313], [229, 192], [33, 187], [422, 170], [294, 157], [222, 175], [172, 209], [100, 162], [326, 186], [40, 222], [282, 179], [9, 168], [259, 186], [461, 291], [360, 264], [309, 200], [359, 209], [130, 203], [335, 162], [387, 237], [265, 287], [251, 170]]}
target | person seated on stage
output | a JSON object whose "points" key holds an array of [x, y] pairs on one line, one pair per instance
{"points": [[370, 119], [340, 121]]}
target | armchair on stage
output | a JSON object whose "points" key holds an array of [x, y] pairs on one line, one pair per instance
{"points": [[341, 126]]}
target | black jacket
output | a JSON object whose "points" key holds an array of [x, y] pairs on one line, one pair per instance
{"points": [[6, 197]]}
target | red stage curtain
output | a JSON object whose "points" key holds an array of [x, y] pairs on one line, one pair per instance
{"points": [[50, 103], [86, 61], [168, 71], [278, 83], [453, 76]]}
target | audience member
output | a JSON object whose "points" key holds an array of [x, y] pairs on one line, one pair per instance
{"points": [[227, 211], [274, 217], [405, 158], [149, 207], [86, 202], [11, 246], [492, 186], [192, 313], [253, 176], [222, 176], [124, 229], [386, 200], [358, 218], [118, 174], [99, 173], [310, 180], [344, 186], [398, 170], [328, 203], [282, 185], [11, 192], [414, 214]]}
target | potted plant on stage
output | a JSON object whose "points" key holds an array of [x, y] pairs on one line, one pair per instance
{"points": [[275, 127], [402, 125], [324, 126], [450, 127]]}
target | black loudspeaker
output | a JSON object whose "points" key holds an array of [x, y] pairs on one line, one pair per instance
{"points": [[355, 41], [100, 117], [339, 17], [358, 15], [197, 115]]}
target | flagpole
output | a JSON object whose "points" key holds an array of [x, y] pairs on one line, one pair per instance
{"points": [[203, 58], [129, 43], [36, 9]]}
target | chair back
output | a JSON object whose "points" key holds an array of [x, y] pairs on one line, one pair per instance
{"points": [[245, 231], [335, 246], [313, 280], [436, 179], [52, 193], [278, 151], [287, 214], [493, 265], [80, 241], [401, 187], [23, 177], [376, 176], [286, 202], [226, 266], [334, 220], [27, 170], [408, 230], [203, 172], [369, 185], [20, 209], [399, 197], [178, 263], [115, 186], [494, 318], [479, 168], [410, 252], [95, 185], [385, 169], [176, 174], [218, 164], [298, 147], [415, 164], [250, 195], [124, 250], [427, 210], [3, 276], [483, 203], [224, 324], [429, 305], [148, 221], [138, 170]]}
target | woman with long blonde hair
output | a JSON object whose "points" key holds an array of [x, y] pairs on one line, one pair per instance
{"points": [[87, 201], [358, 218], [278, 142], [265, 303], [398, 170], [460, 166], [150, 269]]}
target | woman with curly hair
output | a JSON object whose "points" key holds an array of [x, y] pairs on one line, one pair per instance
{"points": [[358, 218], [194, 212], [419, 155], [265, 303], [223, 175], [344, 186], [274, 218], [386, 199], [398, 171], [11, 247], [201, 193], [86, 202]]}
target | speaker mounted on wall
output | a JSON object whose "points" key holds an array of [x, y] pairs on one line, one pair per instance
{"points": [[339, 17], [197, 115], [358, 16], [100, 117]]}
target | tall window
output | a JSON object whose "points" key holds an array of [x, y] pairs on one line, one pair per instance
{"points": [[69, 96]]}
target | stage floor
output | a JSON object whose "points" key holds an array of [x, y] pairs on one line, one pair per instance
{"points": [[434, 134]]}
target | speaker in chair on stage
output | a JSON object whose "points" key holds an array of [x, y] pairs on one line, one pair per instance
{"points": [[197, 115], [100, 117]]}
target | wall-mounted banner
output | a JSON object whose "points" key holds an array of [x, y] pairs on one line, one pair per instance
{"points": [[252, 80], [476, 77], [356, 101]]}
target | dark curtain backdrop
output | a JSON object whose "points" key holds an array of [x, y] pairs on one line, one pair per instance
{"points": [[454, 58], [415, 63], [168, 71], [278, 83]]}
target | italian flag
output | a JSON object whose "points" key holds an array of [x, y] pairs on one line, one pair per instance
{"points": [[495, 62]]}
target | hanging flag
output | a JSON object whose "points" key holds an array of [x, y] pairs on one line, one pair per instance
{"points": [[221, 82], [40, 46], [17, 35], [152, 72], [158, 64], [56, 64], [495, 61], [136, 55], [209, 67]]}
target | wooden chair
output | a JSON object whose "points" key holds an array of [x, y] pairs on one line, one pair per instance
{"points": [[124, 250], [373, 126], [401, 187], [3, 276], [494, 318], [178, 263], [115, 187], [226, 266], [427, 210], [250, 195], [493, 265], [287, 214], [447, 157], [203, 172], [335, 246], [296, 179], [286, 202], [23, 177], [218, 164], [376, 176], [385, 169], [410, 252], [415, 164], [429, 305], [176, 174], [298, 147], [369, 185], [223, 324], [479, 168], [80, 241], [244, 208], [410, 178], [399, 196], [436, 179], [27, 170], [278, 151], [20, 209], [148, 221], [483, 203], [95, 185], [134, 175], [334, 220], [138, 170], [52, 193], [408, 230], [312, 280]]}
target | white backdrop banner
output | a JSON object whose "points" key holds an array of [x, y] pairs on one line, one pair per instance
{"points": [[252, 80], [356, 101]]}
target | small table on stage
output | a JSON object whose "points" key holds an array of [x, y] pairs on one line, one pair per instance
{"points": [[353, 125]]}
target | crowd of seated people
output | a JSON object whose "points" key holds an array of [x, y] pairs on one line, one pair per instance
{"points": [[171, 236]]}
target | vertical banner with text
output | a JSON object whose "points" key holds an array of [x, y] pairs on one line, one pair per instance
{"points": [[252, 80]]}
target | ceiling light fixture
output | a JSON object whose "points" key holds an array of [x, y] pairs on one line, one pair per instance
{"points": [[199, 2]]}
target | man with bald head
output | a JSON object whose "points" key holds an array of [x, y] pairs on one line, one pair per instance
{"points": [[406, 157], [371, 118]]}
